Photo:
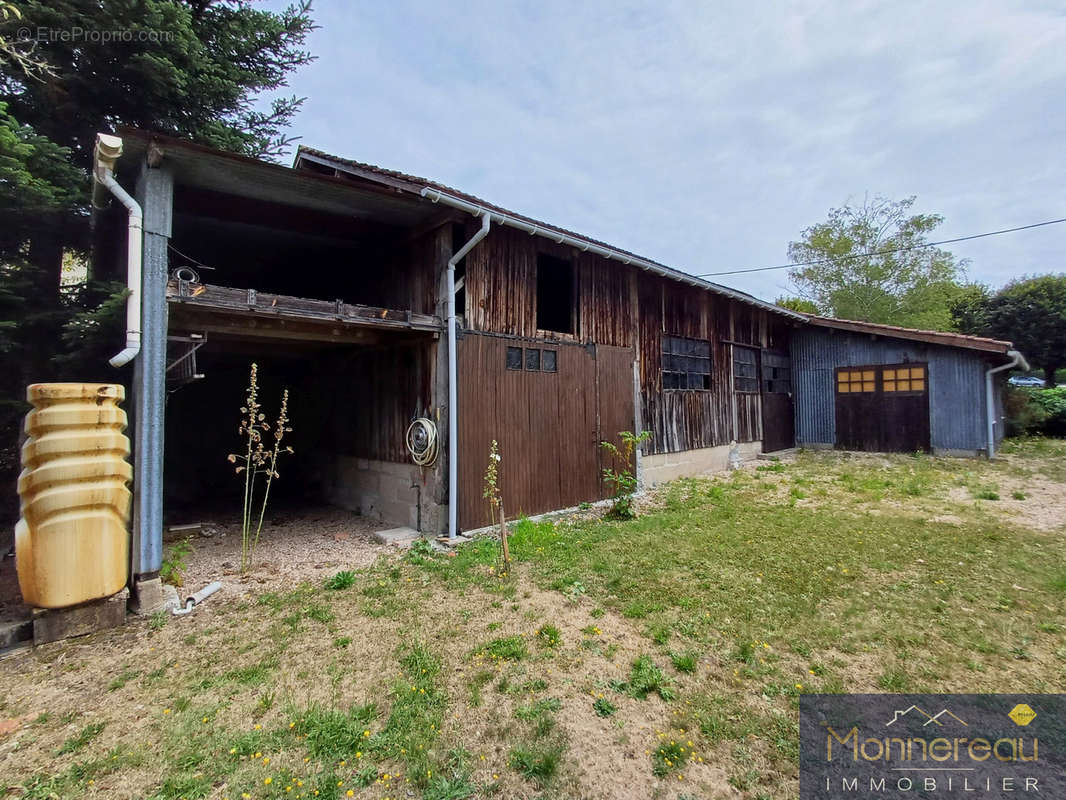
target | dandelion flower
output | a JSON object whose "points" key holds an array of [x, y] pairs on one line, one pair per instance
{"points": [[268, 781]]}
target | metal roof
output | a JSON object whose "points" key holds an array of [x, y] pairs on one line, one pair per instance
{"points": [[897, 332]]}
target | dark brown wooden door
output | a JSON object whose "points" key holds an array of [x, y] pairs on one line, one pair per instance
{"points": [[882, 408], [778, 416], [548, 405]]}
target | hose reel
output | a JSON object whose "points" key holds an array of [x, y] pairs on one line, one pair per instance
{"points": [[422, 441]]}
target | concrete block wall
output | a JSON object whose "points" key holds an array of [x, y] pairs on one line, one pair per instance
{"points": [[662, 467], [378, 490]]}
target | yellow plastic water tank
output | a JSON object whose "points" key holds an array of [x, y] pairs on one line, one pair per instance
{"points": [[71, 544]]}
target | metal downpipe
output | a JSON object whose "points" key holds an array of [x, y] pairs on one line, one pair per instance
{"points": [[453, 378], [1017, 359]]}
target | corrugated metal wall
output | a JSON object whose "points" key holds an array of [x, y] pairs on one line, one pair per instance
{"points": [[956, 384]]}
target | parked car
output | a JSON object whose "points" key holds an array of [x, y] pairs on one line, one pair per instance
{"points": [[1025, 380]]}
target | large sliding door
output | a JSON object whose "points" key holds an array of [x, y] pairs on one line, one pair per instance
{"points": [[548, 404]]}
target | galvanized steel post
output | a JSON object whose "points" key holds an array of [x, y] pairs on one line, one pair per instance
{"points": [[155, 192]]}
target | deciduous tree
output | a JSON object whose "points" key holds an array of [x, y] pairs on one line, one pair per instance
{"points": [[871, 262], [1031, 312], [797, 304]]}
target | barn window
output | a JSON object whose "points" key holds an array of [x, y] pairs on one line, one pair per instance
{"points": [[686, 363], [856, 381], [555, 294], [532, 359], [745, 369], [903, 379], [776, 373]]}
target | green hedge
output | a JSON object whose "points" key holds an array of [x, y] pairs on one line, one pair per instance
{"points": [[1035, 411]]}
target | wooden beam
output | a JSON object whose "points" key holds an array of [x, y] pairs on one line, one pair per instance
{"points": [[249, 303], [247, 327]]}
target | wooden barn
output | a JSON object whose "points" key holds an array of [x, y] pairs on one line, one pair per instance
{"points": [[340, 280]]}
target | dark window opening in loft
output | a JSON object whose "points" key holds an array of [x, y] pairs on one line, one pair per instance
{"points": [[555, 294]]}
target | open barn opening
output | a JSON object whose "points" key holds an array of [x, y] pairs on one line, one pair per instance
{"points": [[337, 309], [348, 407]]}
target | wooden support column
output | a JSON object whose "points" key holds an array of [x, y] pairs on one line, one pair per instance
{"points": [[155, 193]]}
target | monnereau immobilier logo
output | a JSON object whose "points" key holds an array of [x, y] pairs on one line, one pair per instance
{"points": [[932, 746]]}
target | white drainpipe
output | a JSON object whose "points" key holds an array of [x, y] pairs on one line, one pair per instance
{"points": [[107, 152], [453, 377], [1017, 359]]}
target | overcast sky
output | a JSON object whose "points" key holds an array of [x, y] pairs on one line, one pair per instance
{"points": [[708, 135]]}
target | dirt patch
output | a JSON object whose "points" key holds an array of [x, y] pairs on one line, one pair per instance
{"points": [[293, 547], [1033, 502]]}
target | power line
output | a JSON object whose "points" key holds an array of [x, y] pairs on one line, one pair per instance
{"points": [[882, 252]]}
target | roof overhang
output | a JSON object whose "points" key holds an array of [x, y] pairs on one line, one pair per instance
{"points": [[201, 167], [945, 338]]}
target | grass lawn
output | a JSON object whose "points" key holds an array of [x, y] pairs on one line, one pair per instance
{"points": [[660, 657]]}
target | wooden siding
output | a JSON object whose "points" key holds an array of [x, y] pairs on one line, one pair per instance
{"points": [[685, 420], [385, 389], [501, 289], [621, 306], [548, 425]]}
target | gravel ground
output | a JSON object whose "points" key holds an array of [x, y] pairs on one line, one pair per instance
{"points": [[293, 547]]}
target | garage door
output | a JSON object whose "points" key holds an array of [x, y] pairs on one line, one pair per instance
{"points": [[883, 408]]}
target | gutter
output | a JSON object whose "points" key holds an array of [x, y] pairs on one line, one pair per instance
{"points": [[1017, 359], [107, 151], [453, 376], [503, 218]]}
